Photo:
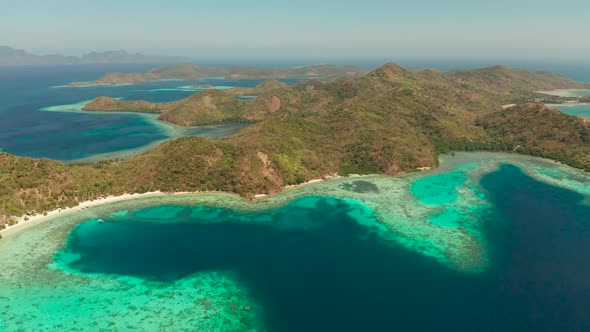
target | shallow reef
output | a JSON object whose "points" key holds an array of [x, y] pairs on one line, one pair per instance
{"points": [[77, 270]]}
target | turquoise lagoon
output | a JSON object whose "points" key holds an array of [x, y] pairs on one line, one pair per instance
{"points": [[582, 110], [486, 241]]}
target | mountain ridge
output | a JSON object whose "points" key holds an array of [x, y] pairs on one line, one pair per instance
{"points": [[15, 57], [483, 89], [387, 123]]}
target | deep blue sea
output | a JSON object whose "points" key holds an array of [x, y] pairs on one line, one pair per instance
{"points": [[333, 274], [311, 268]]}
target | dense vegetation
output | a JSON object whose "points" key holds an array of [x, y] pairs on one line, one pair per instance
{"points": [[389, 121], [538, 130]]}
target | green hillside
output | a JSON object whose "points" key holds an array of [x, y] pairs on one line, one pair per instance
{"points": [[390, 121]]}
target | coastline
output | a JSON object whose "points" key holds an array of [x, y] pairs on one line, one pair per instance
{"points": [[40, 218], [170, 130], [396, 209], [260, 198], [568, 104], [569, 93], [580, 110]]}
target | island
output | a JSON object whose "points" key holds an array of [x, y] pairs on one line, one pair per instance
{"points": [[390, 121], [259, 89], [14, 57], [204, 108], [192, 72], [202, 86]]}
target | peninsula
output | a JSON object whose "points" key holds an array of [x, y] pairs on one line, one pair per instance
{"points": [[389, 121], [204, 108], [191, 72]]}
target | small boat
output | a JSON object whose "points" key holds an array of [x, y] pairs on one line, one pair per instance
{"points": [[100, 221]]}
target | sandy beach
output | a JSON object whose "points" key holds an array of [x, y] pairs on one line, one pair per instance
{"points": [[572, 93], [83, 205], [38, 218]]}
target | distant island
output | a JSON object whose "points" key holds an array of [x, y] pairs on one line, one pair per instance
{"points": [[389, 121], [202, 86], [192, 72], [14, 57], [205, 108], [215, 106]]}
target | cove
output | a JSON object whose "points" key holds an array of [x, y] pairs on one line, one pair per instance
{"points": [[123, 137], [582, 110], [309, 264], [337, 255], [71, 136], [313, 267]]}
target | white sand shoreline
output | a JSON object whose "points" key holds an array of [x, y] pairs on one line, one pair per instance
{"points": [[20, 222], [39, 218], [42, 217], [569, 104]]}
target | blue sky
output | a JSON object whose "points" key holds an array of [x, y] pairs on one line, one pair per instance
{"points": [[304, 29]]}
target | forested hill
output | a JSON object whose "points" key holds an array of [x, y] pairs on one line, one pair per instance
{"points": [[389, 121], [478, 90]]}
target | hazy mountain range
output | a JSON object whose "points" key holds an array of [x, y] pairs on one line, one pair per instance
{"points": [[14, 57]]}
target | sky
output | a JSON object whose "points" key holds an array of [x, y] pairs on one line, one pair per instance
{"points": [[537, 30]]}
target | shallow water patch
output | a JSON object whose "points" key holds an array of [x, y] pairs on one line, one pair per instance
{"points": [[438, 189], [317, 257], [582, 110]]}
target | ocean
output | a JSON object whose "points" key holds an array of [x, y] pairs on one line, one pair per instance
{"points": [[31, 126], [486, 242], [353, 254], [333, 274]]}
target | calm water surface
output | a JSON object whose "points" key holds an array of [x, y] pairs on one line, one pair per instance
{"points": [[26, 131], [326, 272]]}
